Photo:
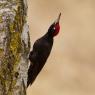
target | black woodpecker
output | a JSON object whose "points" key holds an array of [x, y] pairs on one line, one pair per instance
{"points": [[41, 51]]}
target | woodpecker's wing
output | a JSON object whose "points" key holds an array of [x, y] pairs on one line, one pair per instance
{"points": [[39, 55], [33, 68], [33, 54]]}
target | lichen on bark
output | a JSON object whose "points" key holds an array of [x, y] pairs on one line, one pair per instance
{"points": [[14, 47]]}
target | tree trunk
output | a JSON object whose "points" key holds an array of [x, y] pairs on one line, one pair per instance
{"points": [[14, 47]]}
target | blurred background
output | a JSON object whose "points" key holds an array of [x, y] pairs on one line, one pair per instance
{"points": [[70, 69]]}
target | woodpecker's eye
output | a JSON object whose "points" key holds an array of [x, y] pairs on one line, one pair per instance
{"points": [[54, 28]]}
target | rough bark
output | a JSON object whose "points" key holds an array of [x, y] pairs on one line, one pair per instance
{"points": [[14, 47]]}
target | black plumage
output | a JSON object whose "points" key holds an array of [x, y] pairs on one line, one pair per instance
{"points": [[41, 51]]}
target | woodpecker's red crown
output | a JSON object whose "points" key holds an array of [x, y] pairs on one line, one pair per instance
{"points": [[55, 27]]}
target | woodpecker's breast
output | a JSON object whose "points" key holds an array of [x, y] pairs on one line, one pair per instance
{"points": [[43, 48]]}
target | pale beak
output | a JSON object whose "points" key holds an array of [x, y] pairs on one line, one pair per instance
{"points": [[58, 19]]}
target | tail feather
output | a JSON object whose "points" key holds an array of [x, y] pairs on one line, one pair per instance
{"points": [[32, 73], [30, 80]]}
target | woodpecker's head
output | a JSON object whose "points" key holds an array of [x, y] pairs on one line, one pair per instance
{"points": [[55, 27]]}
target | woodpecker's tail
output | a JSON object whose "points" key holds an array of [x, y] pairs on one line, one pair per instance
{"points": [[32, 73], [29, 80]]}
